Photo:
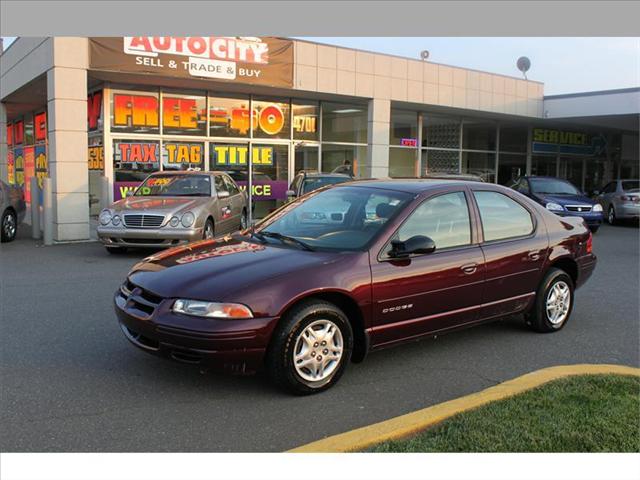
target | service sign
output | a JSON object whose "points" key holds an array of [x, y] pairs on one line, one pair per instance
{"points": [[252, 60], [567, 142]]}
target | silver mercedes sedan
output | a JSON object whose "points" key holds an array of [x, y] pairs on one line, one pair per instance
{"points": [[172, 208]]}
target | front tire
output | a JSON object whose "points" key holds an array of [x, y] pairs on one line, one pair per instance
{"points": [[611, 216], [8, 226], [554, 302], [209, 230], [116, 250], [244, 221], [310, 348]]}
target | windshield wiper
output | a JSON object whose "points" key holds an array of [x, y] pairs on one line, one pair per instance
{"points": [[284, 238]]}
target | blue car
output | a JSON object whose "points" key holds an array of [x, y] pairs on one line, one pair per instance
{"points": [[561, 198]]}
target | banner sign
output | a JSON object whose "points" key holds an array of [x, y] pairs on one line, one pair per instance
{"points": [[40, 126], [234, 155], [120, 189], [42, 165], [11, 168], [94, 111], [96, 157], [567, 143], [29, 171], [18, 161], [251, 60], [266, 189]]}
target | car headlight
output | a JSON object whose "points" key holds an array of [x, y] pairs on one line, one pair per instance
{"points": [[115, 220], [597, 207], [554, 207], [174, 221], [199, 308], [188, 219], [105, 217]]}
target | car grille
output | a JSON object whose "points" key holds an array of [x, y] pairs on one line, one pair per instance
{"points": [[143, 221], [578, 208], [139, 302]]}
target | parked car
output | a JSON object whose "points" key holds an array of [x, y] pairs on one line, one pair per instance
{"points": [[13, 208], [307, 181], [562, 198], [620, 200], [303, 300], [170, 208]]}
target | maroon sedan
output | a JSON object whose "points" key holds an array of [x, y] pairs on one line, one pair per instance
{"points": [[354, 268]]}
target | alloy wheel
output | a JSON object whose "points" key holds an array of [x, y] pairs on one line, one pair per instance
{"points": [[9, 225], [208, 231], [318, 351], [612, 216], [558, 302]]}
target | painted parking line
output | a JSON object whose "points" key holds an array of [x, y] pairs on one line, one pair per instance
{"points": [[411, 423]]}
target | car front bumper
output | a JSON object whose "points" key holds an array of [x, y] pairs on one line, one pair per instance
{"points": [[147, 237], [233, 346]]}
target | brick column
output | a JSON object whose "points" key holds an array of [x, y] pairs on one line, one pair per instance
{"points": [[378, 138], [67, 125], [3, 144]]}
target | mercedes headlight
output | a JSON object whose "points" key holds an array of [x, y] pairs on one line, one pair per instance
{"points": [[199, 308], [105, 217], [174, 222], [188, 219], [554, 207], [597, 207]]}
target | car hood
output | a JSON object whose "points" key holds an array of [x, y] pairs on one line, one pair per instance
{"points": [[158, 204], [214, 269], [565, 199]]}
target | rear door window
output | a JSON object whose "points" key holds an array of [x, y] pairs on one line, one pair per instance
{"points": [[502, 217]]}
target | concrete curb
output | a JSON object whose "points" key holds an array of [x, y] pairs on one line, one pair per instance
{"points": [[405, 425]]}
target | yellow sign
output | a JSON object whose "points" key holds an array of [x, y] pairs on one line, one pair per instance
{"points": [[238, 155], [559, 137], [96, 158], [183, 152]]}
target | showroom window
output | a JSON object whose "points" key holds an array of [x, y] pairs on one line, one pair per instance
{"points": [[182, 155], [184, 114], [133, 160], [543, 165], [482, 164], [271, 119], [135, 112], [343, 158], [440, 131], [513, 139], [228, 116], [510, 168], [343, 122], [479, 135], [403, 129], [440, 161], [402, 162], [305, 120]]}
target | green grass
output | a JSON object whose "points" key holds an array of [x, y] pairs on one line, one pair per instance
{"points": [[590, 413]]}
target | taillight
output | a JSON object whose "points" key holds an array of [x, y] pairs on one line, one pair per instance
{"points": [[629, 198], [590, 243]]}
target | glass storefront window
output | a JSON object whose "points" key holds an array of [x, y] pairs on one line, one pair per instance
{"points": [[182, 155], [28, 129], [184, 114], [440, 161], [479, 135], [342, 122], [543, 165], [305, 120], [306, 158], [510, 168], [403, 128], [513, 139], [228, 117], [343, 158], [440, 131], [402, 162], [271, 119], [481, 164], [135, 112], [133, 161]]}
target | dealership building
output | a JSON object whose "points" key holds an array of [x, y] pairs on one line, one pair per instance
{"points": [[96, 115]]}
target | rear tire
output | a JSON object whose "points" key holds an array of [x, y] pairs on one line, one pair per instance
{"points": [[8, 226], [209, 230], [244, 221], [594, 230], [310, 348], [116, 250], [553, 303]]}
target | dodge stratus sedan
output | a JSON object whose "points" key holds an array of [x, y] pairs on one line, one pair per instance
{"points": [[353, 268], [172, 208]]}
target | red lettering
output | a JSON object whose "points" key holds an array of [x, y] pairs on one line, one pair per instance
{"points": [[40, 126], [136, 153], [149, 152], [124, 152], [141, 41], [197, 45], [94, 110], [10, 134], [162, 43], [19, 132]]}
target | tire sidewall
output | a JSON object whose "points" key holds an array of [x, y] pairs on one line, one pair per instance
{"points": [[555, 275], [3, 237], [611, 215], [296, 324], [208, 223]]}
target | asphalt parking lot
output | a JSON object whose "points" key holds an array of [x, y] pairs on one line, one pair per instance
{"points": [[70, 381]]}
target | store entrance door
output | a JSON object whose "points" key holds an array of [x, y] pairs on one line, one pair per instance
{"points": [[572, 169]]}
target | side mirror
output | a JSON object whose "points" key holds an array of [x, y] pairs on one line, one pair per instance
{"points": [[290, 193], [418, 244], [223, 194]]}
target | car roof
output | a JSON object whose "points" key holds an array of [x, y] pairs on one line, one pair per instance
{"points": [[187, 172], [320, 174], [411, 185]]}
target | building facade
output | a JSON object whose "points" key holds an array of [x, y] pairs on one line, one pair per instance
{"points": [[96, 113]]}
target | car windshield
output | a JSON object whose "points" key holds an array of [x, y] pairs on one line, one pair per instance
{"points": [[630, 185], [552, 186], [344, 218], [313, 183], [175, 186]]}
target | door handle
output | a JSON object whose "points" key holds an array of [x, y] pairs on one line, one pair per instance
{"points": [[469, 268], [534, 256]]}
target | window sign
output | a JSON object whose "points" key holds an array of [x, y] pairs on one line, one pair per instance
{"points": [[271, 119], [305, 121], [182, 155], [18, 161], [40, 127], [10, 134], [133, 161], [135, 113], [228, 117], [96, 157], [238, 155], [184, 115], [567, 143], [42, 167], [18, 133], [29, 171], [94, 111], [11, 168]]}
